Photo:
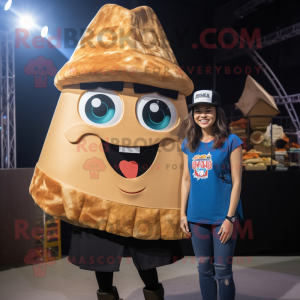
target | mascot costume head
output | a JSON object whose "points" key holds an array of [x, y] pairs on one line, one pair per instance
{"points": [[111, 159]]}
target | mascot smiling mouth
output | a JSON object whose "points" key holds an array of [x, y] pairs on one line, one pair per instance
{"points": [[130, 162]]}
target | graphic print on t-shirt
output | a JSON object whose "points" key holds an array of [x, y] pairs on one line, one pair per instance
{"points": [[201, 164]]}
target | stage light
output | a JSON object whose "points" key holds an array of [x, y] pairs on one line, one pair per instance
{"points": [[44, 31], [26, 22], [8, 5]]}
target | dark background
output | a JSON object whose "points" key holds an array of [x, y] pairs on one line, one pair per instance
{"points": [[183, 22]]}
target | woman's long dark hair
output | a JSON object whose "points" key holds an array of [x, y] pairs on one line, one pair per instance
{"points": [[193, 131]]}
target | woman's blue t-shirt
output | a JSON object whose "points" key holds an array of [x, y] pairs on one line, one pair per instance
{"points": [[211, 184]]}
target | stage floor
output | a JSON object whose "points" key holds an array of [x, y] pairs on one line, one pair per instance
{"points": [[255, 277]]}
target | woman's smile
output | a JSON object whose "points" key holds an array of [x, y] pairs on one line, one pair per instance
{"points": [[204, 121]]}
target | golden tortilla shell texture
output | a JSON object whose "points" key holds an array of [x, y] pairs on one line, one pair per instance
{"points": [[125, 45], [78, 208]]}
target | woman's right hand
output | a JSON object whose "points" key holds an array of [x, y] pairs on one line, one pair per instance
{"points": [[184, 225]]}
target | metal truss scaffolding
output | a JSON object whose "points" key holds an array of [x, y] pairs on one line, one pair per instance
{"points": [[283, 97], [7, 101], [236, 9], [290, 98], [267, 40]]}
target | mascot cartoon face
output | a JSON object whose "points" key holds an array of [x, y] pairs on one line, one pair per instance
{"points": [[111, 159]]}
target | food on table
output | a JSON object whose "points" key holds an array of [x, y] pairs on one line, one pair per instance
{"points": [[241, 123], [257, 137], [254, 151], [294, 145], [261, 167], [267, 161], [253, 160], [250, 155]]}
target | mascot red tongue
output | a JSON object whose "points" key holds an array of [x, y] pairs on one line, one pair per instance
{"points": [[111, 160], [129, 168]]}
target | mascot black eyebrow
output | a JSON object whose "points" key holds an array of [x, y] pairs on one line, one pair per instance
{"points": [[111, 163]]}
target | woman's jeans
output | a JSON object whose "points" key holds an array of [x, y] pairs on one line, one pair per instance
{"points": [[214, 260]]}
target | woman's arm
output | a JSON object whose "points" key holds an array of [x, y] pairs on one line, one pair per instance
{"points": [[236, 163], [185, 190]]}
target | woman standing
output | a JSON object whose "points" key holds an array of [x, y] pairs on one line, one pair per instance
{"points": [[210, 194]]}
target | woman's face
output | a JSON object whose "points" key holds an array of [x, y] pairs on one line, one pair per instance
{"points": [[205, 115]]}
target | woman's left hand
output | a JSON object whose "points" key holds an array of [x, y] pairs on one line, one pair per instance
{"points": [[226, 231]]}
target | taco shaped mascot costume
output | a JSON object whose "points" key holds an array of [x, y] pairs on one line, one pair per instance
{"points": [[111, 163]]}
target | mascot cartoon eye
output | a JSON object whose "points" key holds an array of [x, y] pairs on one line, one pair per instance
{"points": [[155, 112], [100, 107]]}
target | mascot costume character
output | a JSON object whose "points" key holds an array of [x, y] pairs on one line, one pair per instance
{"points": [[111, 163]]}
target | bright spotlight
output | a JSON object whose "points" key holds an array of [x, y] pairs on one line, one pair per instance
{"points": [[8, 5], [27, 22], [44, 31]]}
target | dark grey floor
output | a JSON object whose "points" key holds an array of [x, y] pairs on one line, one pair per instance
{"points": [[255, 278]]}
